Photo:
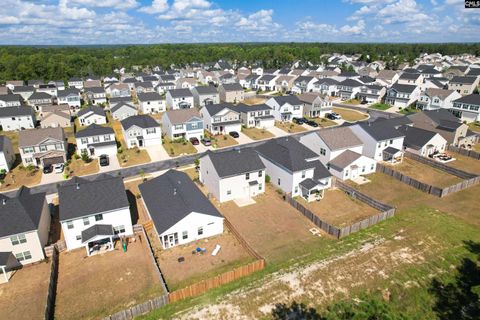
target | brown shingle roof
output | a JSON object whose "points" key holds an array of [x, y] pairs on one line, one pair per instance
{"points": [[344, 159], [339, 138], [33, 137], [182, 115]]}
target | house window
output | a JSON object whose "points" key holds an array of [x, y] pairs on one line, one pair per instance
{"points": [[43, 148], [371, 167], [96, 139], [346, 173], [200, 231], [28, 150], [229, 192], [79, 237], [98, 217], [247, 175], [70, 224], [323, 151], [363, 169], [260, 173], [296, 189], [391, 141], [119, 229], [23, 256], [278, 181], [260, 186], [106, 137], [178, 126], [194, 125], [185, 235], [18, 239], [86, 221], [151, 130], [303, 174], [84, 140]]}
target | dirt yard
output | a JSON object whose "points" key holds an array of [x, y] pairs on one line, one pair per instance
{"points": [[425, 173], [252, 101], [25, 295], [464, 163], [350, 115], [339, 209], [93, 287], [289, 127], [257, 134], [198, 266]]}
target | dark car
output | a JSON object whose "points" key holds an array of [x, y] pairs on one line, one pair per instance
{"points": [[194, 141], [103, 160], [47, 168], [207, 142], [333, 116], [363, 102], [298, 121], [311, 123], [234, 134]]}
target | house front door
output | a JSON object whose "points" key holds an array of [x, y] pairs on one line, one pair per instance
{"points": [[140, 143]]}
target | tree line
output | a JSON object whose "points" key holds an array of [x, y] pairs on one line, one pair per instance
{"points": [[61, 63]]}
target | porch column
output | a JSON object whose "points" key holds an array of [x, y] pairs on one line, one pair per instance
{"points": [[111, 242], [88, 251], [5, 274]]}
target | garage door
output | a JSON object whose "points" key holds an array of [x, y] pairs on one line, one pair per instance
{"points": [[53, 160]]}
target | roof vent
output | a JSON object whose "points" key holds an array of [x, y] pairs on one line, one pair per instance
{"points": [[77, 186], [4, 201], [174, 191]]}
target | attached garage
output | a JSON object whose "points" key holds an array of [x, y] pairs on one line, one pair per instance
{"points": [[108, 148], [52, 160]]}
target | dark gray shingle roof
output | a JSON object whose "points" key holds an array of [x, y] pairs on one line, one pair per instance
{"points": [[142, 121], [93, 130], [235, 162], [380, 130]]}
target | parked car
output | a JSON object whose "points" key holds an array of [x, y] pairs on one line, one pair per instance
{"points": [[363, 102], [194, 141], [298, 121], [234, 134], [47, 168], [207, 142], [311, 123], [103, 160], [58, 167], [334, 116]]}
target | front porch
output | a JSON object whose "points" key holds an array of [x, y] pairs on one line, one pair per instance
{"points": [[392, 155], [98, 239]]}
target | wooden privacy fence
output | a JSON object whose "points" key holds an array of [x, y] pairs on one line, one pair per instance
{"points": [[139, 309], [240, 239], [224, 278], [52, 286], [465, 152]]}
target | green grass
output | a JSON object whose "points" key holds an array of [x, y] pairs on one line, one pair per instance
{"points": [[408, 110], [474, 126], [380, 106]]}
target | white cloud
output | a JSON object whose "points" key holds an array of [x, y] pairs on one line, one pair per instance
{"points": [[260, 21], [402, 11], [117, 4], [157, 6], [355, 29]]}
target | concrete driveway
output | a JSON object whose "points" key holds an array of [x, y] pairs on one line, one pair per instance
{"points": [[157, 153], [243, 138], [113, 165], [202, 148], [277, 132], [51, 177]]}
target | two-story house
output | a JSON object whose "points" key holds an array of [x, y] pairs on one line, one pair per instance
{"points": [[141, 131], [467, 108], [423, 142], [221, 118], [256, 116], [96, 140], [203, 95], [231, 93], [179, 99], [123, 110], [402, 95], [38, 99], [464, 85], [96, 95], [10, 100], [117, 90], [151, 102], [55, 116], [90, 115], [7, 155], [41, 147], [266, 82], [94, 213], [314, 105], [412, 79], [182, 123], [433, 99], [285, 108], [17, 118], [24, 91], [163, 87], [49, 88], [71, 97], [348, 88], [371, 93], [303, 84], [75, 82], [326, 86]]}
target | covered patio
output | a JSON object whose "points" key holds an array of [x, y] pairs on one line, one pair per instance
{"points": [[98, 239], [311, 190], [392, 155], [8, 264]]}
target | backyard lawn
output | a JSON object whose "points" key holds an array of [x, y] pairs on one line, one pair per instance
{"points": [[252, 101], [350, 115], [13, 136], [177, 148], [464, 163], [118, 279], [289, 127], [257, 134], [380, 106], [474, 126]]}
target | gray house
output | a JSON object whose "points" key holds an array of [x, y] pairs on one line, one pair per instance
{"points": [[123, 110], [204, 95]]}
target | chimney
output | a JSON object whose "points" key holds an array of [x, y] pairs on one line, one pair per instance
{"points": [[77, 186]]}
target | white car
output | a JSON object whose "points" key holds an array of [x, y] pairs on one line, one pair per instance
{"points": [[58, 168]]}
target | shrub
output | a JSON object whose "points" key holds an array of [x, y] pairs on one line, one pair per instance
{"points": [[85, 157], [267, 178], [120, 150], [225, 137], [30, 167], [279, 191], [137, 151], [196, 162], [76, 156]]}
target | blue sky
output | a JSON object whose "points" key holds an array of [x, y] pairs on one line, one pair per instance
{"points": [[172, 21]]}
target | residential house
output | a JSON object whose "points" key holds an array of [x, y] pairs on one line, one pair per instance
{"points": [[454, 71], [348, 89], [10, 100], [182, 123], [314, 105], [71, 97], [179, 99], [180, 212], [326, 86], [293, 168], [24, 91], [96, 95], [266, 82], [75, 82], [284, 83], [117, 90], [38, 99], [49, 88], [381, 141], [186, 83], [412, 79], [221, 118], [41, 147], [17, 118], [91, 115], [285, 108], [143, 87], [93, 213], [231, 93], [303, 84], [464, 85], [232, 175], [341, 151], [402, 95], [203, 95], [432, 99], [387, 77], [11, 84], [256, 116], [112, 102], [371, 93], [467, 108], [250, 82], [141, 131], [7, 155], [151, 102], [53, 116], [227, 77], [24, 229], [96, 140], [123, 110], [59, 84], [422, 142], [163, 87]]}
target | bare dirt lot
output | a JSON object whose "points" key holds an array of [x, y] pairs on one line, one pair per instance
{"points": [[255, 100], [339, 209], [464, 163], [93, 287], [25, 295], [425, 173]]}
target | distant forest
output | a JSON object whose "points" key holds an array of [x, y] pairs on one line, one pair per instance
{"points": [[52, 63]]}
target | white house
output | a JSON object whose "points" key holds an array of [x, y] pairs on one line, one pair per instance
{"points": [[96, 95], [294, 168], [94, 213], [7, 155], [10, 100], [415, 79], [303, 84], [314, 105], [341, 151], [422, 142], [141, 131], [194, 217], [179, 99], [182, 123], [266, 82], [381, 141], [326, 86], [151, 102], [256, 116], [90, 115], [467, 108], [71, 97], [371, 93], [17, 118], [285, 108], [24, 228], [432, 99], [348, 89], [75, 82], [221, 118], [234, 174], [163, 87], [402, 95], [96, 140], [204, 95]]}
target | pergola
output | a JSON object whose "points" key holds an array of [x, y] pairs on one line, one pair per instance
{"points": [[392, 155], [98, 237], [7, 263]]}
